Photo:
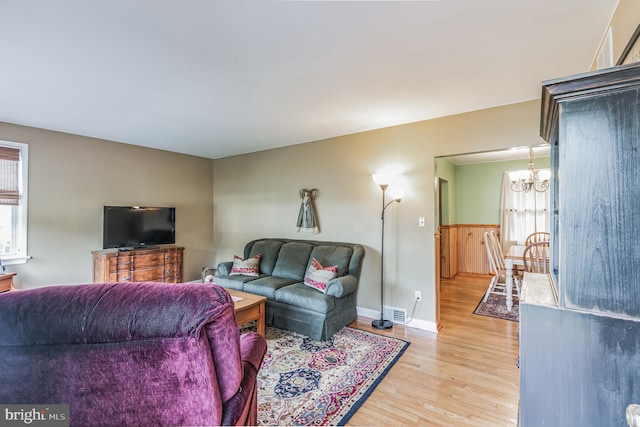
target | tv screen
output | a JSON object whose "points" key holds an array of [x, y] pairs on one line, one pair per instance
{"points": [[135, 227]]}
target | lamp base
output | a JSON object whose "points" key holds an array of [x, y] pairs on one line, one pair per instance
{"points": [[382, 324]]}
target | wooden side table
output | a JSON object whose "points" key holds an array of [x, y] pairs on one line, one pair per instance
{"points": [[249, 308], [6, 281]]}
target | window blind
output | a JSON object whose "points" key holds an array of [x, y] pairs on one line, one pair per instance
{"points": [[9, 176]]}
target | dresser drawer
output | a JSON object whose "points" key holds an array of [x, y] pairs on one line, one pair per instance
{"points": [[122, 276], [172, 279], [123, 263], [148, 260], [172, 257], [171, 271], [119, 263], [149, 275]]}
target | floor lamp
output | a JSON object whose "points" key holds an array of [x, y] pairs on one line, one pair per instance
{"points": [[383, 181]]}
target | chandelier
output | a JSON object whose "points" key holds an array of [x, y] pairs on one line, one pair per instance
{"points": [[530, 179]]}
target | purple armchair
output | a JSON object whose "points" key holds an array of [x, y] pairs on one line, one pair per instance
{"points": [[130, 354]]}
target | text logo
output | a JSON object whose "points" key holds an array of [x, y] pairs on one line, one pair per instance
{"points": [[34, 415]]}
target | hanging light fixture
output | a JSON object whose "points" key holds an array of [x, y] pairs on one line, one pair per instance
{"points": [[530, 179]]}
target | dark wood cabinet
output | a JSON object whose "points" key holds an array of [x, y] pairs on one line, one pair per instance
{"points": [[161, 264], [580, 351], [599, 196]]}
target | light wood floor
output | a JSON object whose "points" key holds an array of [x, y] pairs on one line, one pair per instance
{"points": [[466, 375]]}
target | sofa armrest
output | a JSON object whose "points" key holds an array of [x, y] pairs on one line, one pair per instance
{"points": [[253, 347], [242, 408], [224, 268], [341, 286]]}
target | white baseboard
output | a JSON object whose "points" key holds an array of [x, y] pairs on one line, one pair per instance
{"points": [[414, 323]]}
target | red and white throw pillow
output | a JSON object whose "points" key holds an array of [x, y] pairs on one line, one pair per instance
{"points": [[318, 277], [246, 267]]}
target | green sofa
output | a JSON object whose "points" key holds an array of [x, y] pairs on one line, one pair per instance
{"points": [[291, 304]]}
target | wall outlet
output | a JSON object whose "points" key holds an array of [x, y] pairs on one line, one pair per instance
{"points": [[418, 296], [421, 222]]}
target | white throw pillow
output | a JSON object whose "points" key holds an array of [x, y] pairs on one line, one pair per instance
{"points": [[318, 277], [246, 267]]}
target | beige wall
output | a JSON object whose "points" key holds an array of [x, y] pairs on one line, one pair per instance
{"points": [[256, 195], [624, 22], [72, 177]]}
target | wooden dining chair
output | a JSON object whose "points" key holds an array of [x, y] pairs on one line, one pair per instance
{"points": [[538, 236], [536, 257], [498, 283]]}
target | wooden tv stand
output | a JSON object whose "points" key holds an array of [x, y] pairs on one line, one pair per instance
{"points": [[159, 264]]}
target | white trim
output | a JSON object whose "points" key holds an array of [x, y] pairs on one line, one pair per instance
{"points": [[423, 325], [414, 323], [15, 259], [21, 243], [605, 53]]}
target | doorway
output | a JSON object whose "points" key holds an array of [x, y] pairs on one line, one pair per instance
{"points": [[466, 205]]}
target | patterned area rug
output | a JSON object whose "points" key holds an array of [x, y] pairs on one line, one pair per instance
{"points": [[496, 306], [308, 382]]}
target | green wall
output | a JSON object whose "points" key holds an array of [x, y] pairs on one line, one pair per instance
{"points": [[474, 190]]}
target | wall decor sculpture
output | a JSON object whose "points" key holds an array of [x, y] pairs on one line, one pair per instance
{"points": [[307, 222]]}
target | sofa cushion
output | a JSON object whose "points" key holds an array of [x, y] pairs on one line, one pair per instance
{"points": [[339, 256], [293, 260], [267, 285], [300, 295], [232, 282], [246, 267], [318, 277], [269, 250]]}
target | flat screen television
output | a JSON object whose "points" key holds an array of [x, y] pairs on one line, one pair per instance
{"points": [[138, 227]]}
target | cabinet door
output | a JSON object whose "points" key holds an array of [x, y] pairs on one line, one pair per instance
{"points": [[598, 199], [576, 368]]}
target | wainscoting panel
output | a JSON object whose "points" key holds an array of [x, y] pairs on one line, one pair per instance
{"points": [[472, 254]]}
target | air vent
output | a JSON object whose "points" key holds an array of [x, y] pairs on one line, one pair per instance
{"points": [[396, 315]]}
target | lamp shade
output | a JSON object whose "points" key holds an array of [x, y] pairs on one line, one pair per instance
{"points": [[544, 174], [383, 178], [517, 175]]}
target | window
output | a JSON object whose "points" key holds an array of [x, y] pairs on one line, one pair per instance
{"points": [[13, 202], [522, 213]]}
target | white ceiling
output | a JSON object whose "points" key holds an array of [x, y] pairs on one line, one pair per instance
{"points": [[215, 78]]}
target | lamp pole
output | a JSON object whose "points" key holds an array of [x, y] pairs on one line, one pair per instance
{"points": [[382, 323]]}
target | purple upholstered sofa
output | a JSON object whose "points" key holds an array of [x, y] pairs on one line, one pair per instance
{"points": [[130, 354]]}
